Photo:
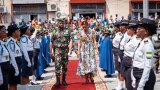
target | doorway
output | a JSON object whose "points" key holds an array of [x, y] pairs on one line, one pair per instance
{"points": [[34, 17], [91, 15]]}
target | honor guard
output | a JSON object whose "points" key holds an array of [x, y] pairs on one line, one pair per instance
{"points": [[35, 52], [116, 50], [60, 41], [116, 41], [129, 49], [15, 56], [123, 40], [26, 46], [36, 46], [4, 59], [142, 73]]}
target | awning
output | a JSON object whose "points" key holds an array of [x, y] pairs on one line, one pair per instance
{"points": [[86, 1]]}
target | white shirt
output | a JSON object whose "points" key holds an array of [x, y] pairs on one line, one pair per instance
{"points": [[124, 41], [4, 54], [14, 51], [26, 45], [36, 43], [117, 39], [143, 59], [13, 46], [130, 47], [26, 42]]}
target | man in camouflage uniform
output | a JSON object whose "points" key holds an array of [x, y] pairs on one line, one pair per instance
{"points": [[60, 41]]}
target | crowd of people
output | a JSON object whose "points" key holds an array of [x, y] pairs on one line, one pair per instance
{"points": [[122, 45]]}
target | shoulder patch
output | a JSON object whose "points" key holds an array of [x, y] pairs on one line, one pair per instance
{"points": [[149, 55]]}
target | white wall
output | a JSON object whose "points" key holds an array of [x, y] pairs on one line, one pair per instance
{"points": [[120, 7], [6, 17], [63, 6]]}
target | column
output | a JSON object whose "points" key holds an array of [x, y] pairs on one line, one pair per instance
{"points": [[145, 8]]}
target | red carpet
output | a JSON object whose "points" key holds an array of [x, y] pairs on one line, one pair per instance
{"points": [[73, 80]]}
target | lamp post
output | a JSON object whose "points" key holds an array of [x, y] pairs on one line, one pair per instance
{"points": [[145, 8]]}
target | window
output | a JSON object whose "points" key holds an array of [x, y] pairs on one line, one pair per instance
{"points": [[100, 6], [152, 5], [74, 6], [140, 5], [135, 5], [158, 5], [87, 6]]}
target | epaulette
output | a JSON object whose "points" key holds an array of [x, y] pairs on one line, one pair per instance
{"points": [[120, 33], [11, 41], [24, 39], [146, 41]]}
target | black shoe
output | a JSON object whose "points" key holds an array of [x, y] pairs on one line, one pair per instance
{"points": [[57, 84], [107, 76], [92, 80], [39, 78], [64, 83], [64, 80]]}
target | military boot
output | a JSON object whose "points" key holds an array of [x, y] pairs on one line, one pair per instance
{"points": [[64, 80], [57, 81]]}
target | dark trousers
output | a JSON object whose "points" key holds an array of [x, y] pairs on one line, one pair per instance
{"points": [[116, 54], [5, 67], [121, 54], [149, 85], [126, 71], [35, 58]]}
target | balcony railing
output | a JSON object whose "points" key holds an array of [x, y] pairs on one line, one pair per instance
{"points": [[28, 1]]}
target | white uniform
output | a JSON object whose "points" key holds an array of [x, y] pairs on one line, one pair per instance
{"points": [[117, 39], [36, 43], [26, 45], [14, 51], [4, 54], [124, 41], [143, 59], [130, 47], [4, 65]]}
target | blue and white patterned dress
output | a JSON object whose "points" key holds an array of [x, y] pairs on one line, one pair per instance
{"points": [[87, 60]]}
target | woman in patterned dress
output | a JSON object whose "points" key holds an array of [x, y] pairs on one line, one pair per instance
{"points": [[86, 53]]}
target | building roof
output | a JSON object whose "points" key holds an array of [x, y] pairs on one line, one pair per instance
{"points": [[142, 0], [87, 1]]}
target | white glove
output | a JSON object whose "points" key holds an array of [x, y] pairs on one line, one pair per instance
{"points": [[140, 88], [29, 64], [16, 73], [134, 84]]}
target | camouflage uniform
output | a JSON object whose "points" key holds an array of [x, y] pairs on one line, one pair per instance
{"points": [[60, 40]]}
